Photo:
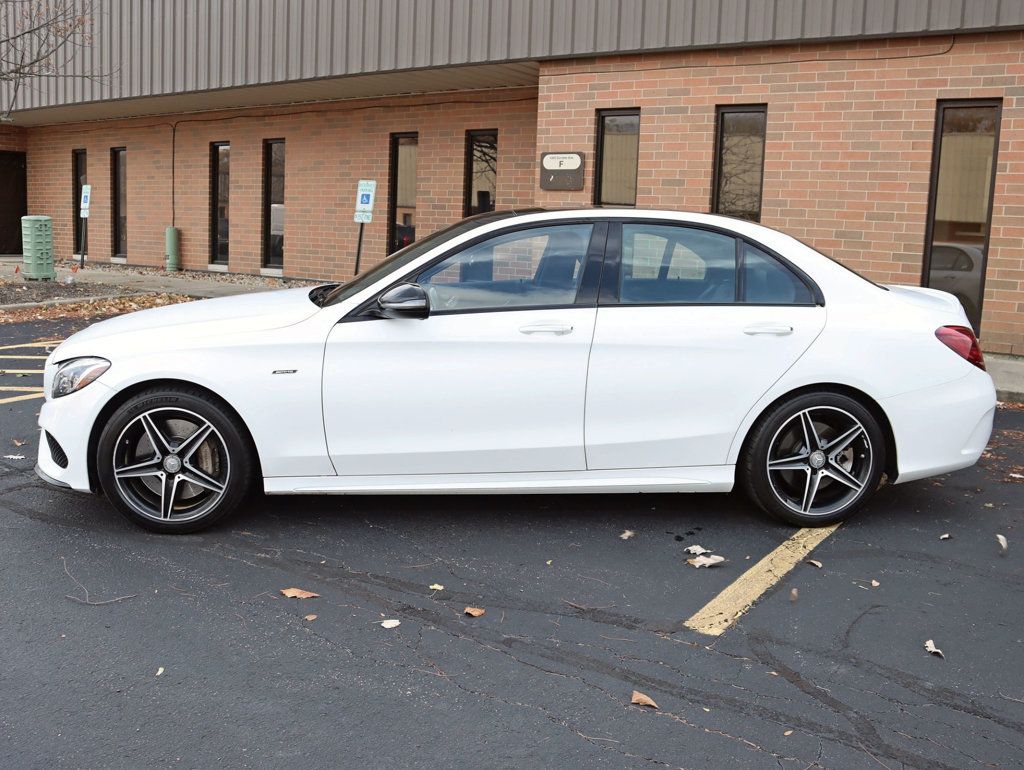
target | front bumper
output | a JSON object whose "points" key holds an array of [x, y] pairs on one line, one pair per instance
{"points": [[943, 428], [69, 420]]}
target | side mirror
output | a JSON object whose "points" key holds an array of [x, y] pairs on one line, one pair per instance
{"points": [[407, 300]]}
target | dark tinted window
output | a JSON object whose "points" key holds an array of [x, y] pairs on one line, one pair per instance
{"points": [[618, 153], [273, 203], [481, 171], [79, 169], [402, 187], [766, 281], [220, 199], [119, 199], [739, 161]]}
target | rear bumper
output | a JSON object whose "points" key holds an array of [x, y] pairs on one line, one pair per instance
{"points": [[943, 428]]}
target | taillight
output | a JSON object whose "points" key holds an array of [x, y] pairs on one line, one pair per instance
{"points": [[962, 341]]}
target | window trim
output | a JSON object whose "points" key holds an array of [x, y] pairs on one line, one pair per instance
{"points": [[599, 155], [265, 214], [609, 292], [716, 170], [586, 292], [393, 182], [933, 179], [214, 195], [467, 178], [77, 224], [115, 200]]}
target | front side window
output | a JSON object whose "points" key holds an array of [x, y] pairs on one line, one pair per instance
{"points": [[481, 171], [119, 201], [402, 197], [220, 200], [539, 267], [618, 154], [739, 161], [273, 203], [79, 168], [672, 265]]}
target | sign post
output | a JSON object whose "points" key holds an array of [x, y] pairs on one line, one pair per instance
{"points": [[83, 212], [366, 191]]}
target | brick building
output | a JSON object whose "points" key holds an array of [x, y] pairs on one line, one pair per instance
{"points": [[886, 133]]}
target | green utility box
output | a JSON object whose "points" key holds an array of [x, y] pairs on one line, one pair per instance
{"points": [[37, 248]]}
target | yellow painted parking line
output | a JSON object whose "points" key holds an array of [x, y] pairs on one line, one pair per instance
{"points": [[21, 388], [21, 371], [23, 358], [31, 345], [23, 397], [720, 613]]}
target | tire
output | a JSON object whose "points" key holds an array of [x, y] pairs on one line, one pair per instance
{"points": [[822, 486], [175, 460]]}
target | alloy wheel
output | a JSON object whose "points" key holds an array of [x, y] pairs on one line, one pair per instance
{"points": [[171, 465], [819, 461]]}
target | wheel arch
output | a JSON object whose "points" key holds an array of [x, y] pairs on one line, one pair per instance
{"points": [[134, 389], [891, 465]]}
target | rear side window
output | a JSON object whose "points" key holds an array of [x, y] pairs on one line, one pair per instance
{"points": [[673, 265]]}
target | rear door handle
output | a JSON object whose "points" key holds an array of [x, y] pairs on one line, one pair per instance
{"points": [[546, 328], [769, 328]]}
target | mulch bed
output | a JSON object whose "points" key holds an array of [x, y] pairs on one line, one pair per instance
{"points": [[90, 310], [18, 290]]}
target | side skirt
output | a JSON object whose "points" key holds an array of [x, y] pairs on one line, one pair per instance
{"points": [[706, 478]]}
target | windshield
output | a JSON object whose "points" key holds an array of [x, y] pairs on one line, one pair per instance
{"points": [[405, 256]]}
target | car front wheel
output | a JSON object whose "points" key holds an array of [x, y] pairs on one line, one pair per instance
{"points": [[814, 460], [174, 460]]}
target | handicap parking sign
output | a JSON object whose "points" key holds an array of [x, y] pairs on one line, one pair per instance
{"points": [[365, 191], [364, 198]]}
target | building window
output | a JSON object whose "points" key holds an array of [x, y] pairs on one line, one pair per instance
{"points": [[618, 152], [960, 200], [273, 203], [402, 191], [220, 198], [79, 167], [739, 161], [119, 202], [481, 171]]}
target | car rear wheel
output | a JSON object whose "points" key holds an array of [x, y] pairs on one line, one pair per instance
{"points": [[814, 460], [174, 460]]}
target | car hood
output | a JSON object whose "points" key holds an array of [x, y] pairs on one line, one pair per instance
{"points": [[257, 311]]}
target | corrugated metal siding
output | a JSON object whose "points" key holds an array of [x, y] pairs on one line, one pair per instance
{"points": [[151, 48]]}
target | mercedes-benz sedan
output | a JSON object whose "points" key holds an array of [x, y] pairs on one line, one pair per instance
{"points": [[570, 351]]}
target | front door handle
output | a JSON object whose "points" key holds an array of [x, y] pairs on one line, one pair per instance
{"points": [[769, 328], [546, 328]]}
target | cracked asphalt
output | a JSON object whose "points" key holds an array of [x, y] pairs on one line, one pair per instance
{"points": [[576, 619]]}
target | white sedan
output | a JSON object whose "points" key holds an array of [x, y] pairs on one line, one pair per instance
{"points": [[563, 351]]}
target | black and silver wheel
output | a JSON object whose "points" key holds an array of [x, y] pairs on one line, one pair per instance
{"points": [[174, 460], [814, 460]]}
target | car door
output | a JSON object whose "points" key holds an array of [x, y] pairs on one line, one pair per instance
{"points": [[493, 380], [693, 326]]}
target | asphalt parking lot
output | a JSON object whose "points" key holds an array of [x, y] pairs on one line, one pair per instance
{"points": [[188, 654]]}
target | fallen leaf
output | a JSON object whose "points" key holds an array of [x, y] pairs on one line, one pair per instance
{"points": [[160, 671], [14, 457], [930, 647], [548, 562], [875, 584], [18, 442], [989, 505], [474, 612], [298, 593], [696, 550], [794, 595], [1017, 475], [814, 563], [310, 617], [706, 709], [1003, 544], [390, 623], [773, 673], [627, 534], [639, 699], [705, 561], [947, 536], [788, 733], [436, 587]]}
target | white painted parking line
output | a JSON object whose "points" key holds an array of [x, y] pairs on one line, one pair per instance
{"points": [[23, 397], [715, 617]]}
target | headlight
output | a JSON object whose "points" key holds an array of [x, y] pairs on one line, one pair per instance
{"points": [[76, 374]]}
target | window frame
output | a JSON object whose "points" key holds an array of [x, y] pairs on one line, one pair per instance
{"points": [[467, 180], [608, 295], [393, 141], [214, 200], [265, 214], [716, 171], [933, 188], [78, 225], [599, 155], [115, 200]]}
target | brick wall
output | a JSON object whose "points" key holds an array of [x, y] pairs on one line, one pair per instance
{"points": [[328, 148], [848, 143], [12, 139]]}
